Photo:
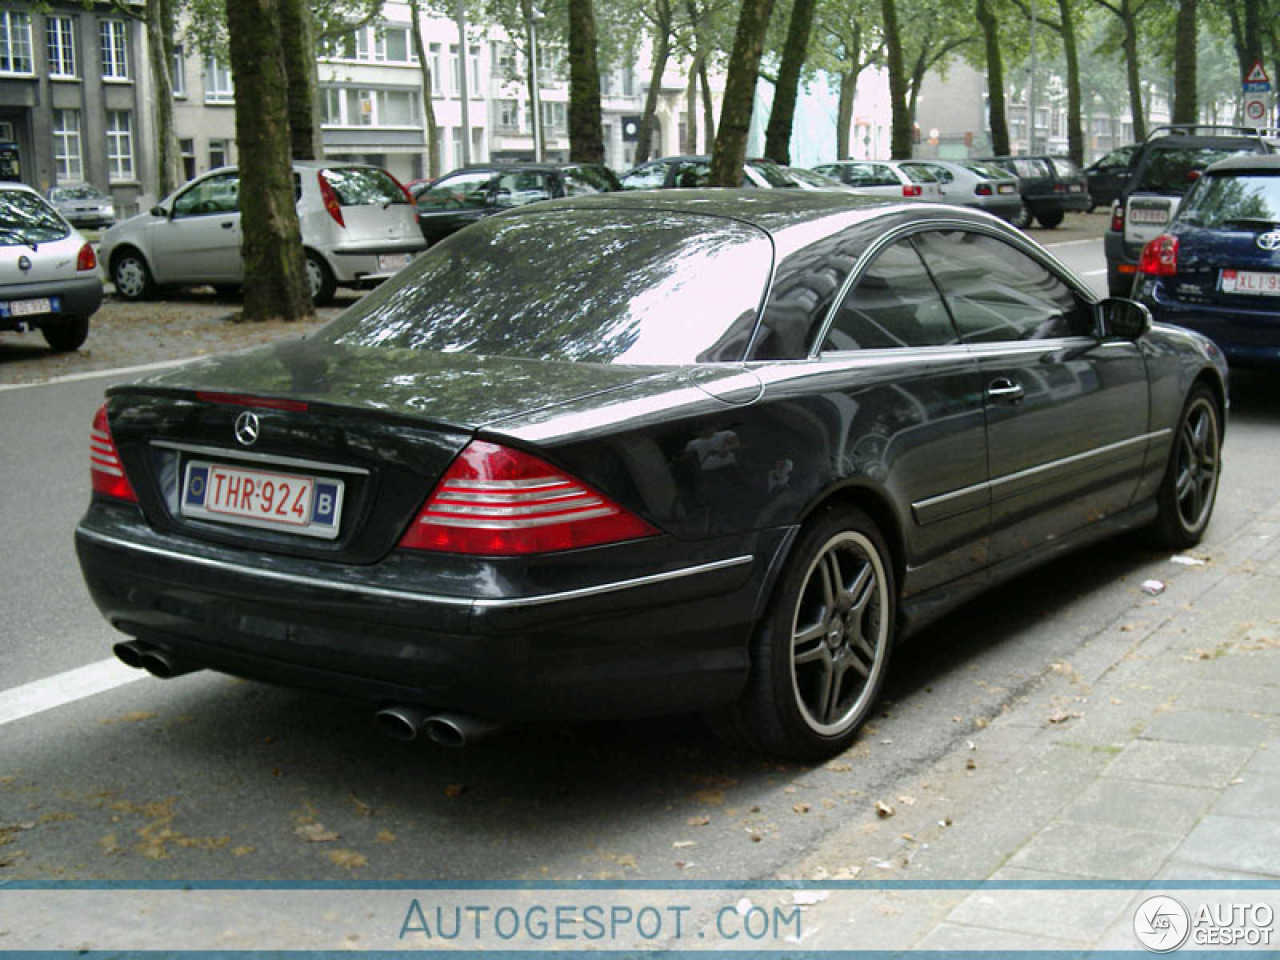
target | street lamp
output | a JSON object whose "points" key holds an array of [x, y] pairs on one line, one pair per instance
{"points": [[534, 18]]}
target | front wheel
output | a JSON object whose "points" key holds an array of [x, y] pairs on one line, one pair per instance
{"points": [[1190, 483], [822, 649], [132, 276], [1050, 220]]}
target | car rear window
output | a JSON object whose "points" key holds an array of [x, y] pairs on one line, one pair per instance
{"points": [[988, 170], [597, 286], [1064, 167], [773, 174], [26, 218], [363, 186], [917, 174], [1246, 201], [1175, 169], [584, 180]]}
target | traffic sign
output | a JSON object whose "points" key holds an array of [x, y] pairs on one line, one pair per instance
{"points": [[1257, 74], [1257, 88], [1255, 109]]}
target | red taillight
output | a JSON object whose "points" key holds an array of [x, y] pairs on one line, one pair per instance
{"points": [[912, 190], [329, 197], [1059, 188], [1160, 257], [495, 501], [241, 400], [983, 189], [105, 468], [86, 259], [1117, 217]]}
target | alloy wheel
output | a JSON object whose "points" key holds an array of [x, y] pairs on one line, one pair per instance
{"points": [[1196, 480]]}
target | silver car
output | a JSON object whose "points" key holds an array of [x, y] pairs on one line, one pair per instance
{"points": [[83, 205], [981, 185], [49, 278], [884, 178], [359, 226]]}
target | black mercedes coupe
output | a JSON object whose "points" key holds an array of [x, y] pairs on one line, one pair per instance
{"points": [[636, 454]]}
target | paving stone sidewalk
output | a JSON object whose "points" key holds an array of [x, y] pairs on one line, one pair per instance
{"points": [[1154, 755]]}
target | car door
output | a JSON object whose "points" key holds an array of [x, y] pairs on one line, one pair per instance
{"points": [[1066, 411], [200, 241], [451, 203]]}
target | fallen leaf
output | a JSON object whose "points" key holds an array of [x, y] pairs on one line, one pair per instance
{"points": [[840, 767], [883, 810], [802, 808], [944, 822], [711, 796], [385, 836], [681, 844], [1236, 781], [455, 789], [846, 873], [970, 765], [243, 851], [348, 858], [698, 821], [135, 717], [906, 801], [1062, 716], [362, 808], [316, 833]]}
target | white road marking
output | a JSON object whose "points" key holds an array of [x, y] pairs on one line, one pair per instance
{"points": [[91, 374], [63, 688], [1072, 243]]}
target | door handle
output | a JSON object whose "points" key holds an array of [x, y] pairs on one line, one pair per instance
{"points": [[1005, 391], [228, 224]]}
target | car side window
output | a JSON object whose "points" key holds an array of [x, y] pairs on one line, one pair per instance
{"points": [[467, 191], [998, 293], [893, 304], [211, 196], [652, 176], [515, 189], [693, 173]]}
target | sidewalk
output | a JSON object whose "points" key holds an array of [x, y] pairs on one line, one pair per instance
{"points": [[1153, 756]]}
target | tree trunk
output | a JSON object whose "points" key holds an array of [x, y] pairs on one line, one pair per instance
{"points": [[428, 101], [1075, 122], [844, 113], [661, 52], [900, 137], [297, 37], [1185, 108], [690, 144], [586, 133], [777, 140], [998, 115], [1132, 69], [708, 106], [159, 25], [275, 285], [730, 153]]}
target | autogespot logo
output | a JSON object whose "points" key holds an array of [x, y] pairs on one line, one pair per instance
{"points": [[1161, 924]]}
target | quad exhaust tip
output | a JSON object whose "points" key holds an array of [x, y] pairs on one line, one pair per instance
{"points": [[405, 722]]}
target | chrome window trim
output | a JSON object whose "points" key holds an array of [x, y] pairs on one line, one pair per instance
{"points": [[390, 594], [1040, 468], [230, 454]]}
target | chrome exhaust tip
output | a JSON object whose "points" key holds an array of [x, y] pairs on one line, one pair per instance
{"points": [[400, 722], [130, 653], [456, 730]]}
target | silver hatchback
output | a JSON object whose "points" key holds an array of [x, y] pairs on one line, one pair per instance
{"points": [[359, 226]]}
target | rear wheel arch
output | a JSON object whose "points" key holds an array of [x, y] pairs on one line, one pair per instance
{"points": [[876, 504]]}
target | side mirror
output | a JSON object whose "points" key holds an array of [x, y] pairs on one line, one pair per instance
{"points": [[159, 211], [1126, 319]]}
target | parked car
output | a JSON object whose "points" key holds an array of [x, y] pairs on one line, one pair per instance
{"points": [[812, 180], [83, 205], [884, 178], [466, 195], [695, 171], [1051, 187], [1108, 174], [1165, 167], [358, 228], [1216, 268], [983, 186], [625, 455], [49, 276]]}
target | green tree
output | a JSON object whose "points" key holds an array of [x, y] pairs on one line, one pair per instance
{"points": [[847, 40], [1129, 13]]}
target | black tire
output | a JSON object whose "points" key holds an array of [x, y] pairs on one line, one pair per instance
{"points": [[1050, 220], [1022, 219], [1190, 483], [320, 280], [66, 335], [132, 276], [821, 651]]}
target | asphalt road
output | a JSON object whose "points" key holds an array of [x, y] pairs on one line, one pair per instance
{"points": [[209, 778]]}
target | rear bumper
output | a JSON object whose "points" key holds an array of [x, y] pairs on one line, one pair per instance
{"points": [[1058, 202], [358, 263], [1246, 337], [1005, 207], [670, 640], [78, 297]]}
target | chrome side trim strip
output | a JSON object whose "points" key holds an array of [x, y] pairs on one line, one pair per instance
{"points": [[390, 594], [1042, 468], [229, 454]]}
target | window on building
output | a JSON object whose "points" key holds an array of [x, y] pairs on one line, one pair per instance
{"points": [[473, 71], [504, 59], [359, 108], [1102, 126], [393, 44], [555, 115], [628, 82], [606, 83], [217, 82], [119, 145], [455, 69], [219, 154], [178, 71], [437, 79], [115, 49], [187, 150], [15, 42], [509, 115], [396, 108], [68, 166], [60, 32], [331, 106]]}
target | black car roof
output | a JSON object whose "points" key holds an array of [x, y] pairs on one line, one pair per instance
{"points": [[1247, 163]]}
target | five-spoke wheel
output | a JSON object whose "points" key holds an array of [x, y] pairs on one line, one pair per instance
{"points": [[1190, 483]]}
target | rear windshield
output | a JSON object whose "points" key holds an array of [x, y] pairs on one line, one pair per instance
{"points": [[25, 218], [1245, 201], [583, 180], [1064, 167], [1175, 169], [598, 286], [988, 170], [918, 174], [773, 174], [363, 186]]}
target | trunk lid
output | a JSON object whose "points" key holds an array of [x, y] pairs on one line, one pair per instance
{"points": [[372, 202]]}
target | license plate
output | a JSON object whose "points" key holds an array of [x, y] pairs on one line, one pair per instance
{"points": [[1006, 188], [29, 308], [392, 261], [1075, 188], [1252, 282], [311, 506], [1148, 214]]}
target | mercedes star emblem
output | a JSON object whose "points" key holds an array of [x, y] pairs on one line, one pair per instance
{"points": [[247, 428], [1270, 240]]}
